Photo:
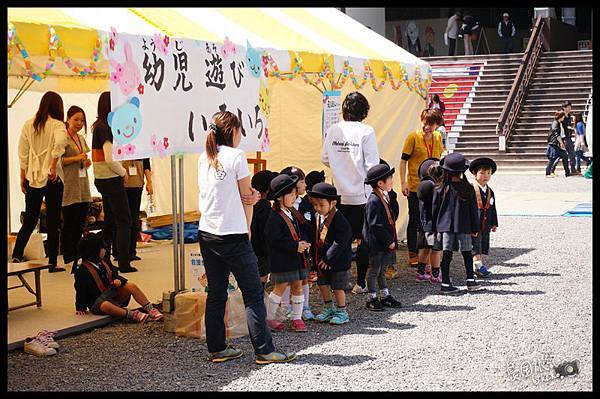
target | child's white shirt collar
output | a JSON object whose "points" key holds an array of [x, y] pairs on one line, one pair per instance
{"points": [[288, 213], [297, 202]]}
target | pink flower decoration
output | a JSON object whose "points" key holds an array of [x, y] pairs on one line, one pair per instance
{"points": [[166, 142], [111, 44], [119, 151], [161, 44], [141, 89], [153, 140], [228, 47], [113, 33], [129, 149]]}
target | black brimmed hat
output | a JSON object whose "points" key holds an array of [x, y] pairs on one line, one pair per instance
{"points": [[425, 165], [378, 172], [481, 162], [313, 178], [280, 184], [89, 247], [262, 180], [454, 162], [324, 190]]}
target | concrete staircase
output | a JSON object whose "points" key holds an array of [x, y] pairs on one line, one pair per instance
{"points": [[559, 76]]}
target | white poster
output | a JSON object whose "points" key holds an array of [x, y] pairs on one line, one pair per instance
{"points": [[164, 92], [332, 105]]}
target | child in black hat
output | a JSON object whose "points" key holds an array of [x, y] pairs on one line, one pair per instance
{"points": [[305, 214], [430, 248], [287, 250], [391, 271], [379, 232], [262, 209], [455, 217], [332, 252], [483, 169], [99, 288]]}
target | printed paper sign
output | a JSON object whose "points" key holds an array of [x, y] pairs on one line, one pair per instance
{"points": [[331, 110], [164, 92]]}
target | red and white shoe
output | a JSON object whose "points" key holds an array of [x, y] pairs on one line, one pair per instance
{"points": [[155, 315], [139, 317], [275, 325]]}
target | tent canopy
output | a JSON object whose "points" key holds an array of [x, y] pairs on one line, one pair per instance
{"points": [[312, 34]]}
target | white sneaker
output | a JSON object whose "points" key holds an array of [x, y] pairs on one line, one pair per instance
{"points": [[359, 290], [35, 347], [47, 338]]}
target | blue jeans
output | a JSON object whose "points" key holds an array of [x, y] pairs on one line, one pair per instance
{"points": [[554, 153], [222, 256], [578, 157]]}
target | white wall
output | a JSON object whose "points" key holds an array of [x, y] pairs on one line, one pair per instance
{"points": [[371, 17]]}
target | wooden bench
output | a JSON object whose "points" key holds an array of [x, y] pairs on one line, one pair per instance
{"points": [[18, 270]]}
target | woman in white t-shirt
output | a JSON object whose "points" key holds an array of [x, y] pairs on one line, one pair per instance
{"points": [[226, 205]]}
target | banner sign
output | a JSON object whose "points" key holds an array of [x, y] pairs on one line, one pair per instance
{"points": [[332, 105], [164, 92]]}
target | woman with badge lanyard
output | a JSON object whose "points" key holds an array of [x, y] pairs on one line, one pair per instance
{"points": [[76, 196], [418, 146]]}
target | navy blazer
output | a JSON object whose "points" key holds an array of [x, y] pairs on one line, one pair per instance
{"points": [[377, 231], [283, 249], [306, 209], [260, 215], [337, 248], [451, 215], [425, 194], [492, 215], [86, 289]]}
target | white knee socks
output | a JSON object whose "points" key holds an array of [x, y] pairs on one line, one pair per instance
{"points": [[306, 293], [297, 304], [274, 301], [285, 299]]}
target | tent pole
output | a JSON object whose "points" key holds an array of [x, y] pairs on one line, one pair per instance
{"points": [[181, 227], [28, 82], [174, 210]]}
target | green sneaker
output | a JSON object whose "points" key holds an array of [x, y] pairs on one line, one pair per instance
{"points": [[325, 315], [340, 317], [275, 357], [226, 354]]}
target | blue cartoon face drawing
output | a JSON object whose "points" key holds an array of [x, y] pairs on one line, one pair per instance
{"points": [[126, 121], [254, 58]]}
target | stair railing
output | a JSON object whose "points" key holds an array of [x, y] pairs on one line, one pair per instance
{"points": [[520, 86]]}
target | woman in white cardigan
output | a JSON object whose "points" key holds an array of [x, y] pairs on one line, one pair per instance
{"points": [[43, 141]]}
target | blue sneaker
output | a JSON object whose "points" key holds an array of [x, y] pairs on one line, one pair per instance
{"points": [[325, 315], [482, 271], [340, 317], [307, 314]]}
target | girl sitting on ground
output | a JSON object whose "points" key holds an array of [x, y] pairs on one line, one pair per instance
{"points": [[99, 288]]}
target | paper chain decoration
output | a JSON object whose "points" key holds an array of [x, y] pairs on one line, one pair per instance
{"points": [[55, 47], [420, 85]]}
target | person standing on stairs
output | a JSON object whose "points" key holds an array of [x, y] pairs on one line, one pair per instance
{"points": [[567, 124], [454, 23], [507, 32], [556, 146]]}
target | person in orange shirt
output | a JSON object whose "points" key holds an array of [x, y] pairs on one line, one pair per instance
{"points": [[418, 146]]}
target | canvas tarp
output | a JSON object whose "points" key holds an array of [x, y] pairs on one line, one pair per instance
{"points": [[295, 120]]}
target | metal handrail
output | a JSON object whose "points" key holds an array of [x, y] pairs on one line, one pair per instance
{"points": [[513, 103]]}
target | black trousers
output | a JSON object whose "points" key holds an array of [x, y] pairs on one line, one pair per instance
{"points": [[452, 47], [555, 154], [117, 219], [134, 196], [355, 214], [222, 257], [570, 148], [52, 192], [413, 221], [74, 216]]}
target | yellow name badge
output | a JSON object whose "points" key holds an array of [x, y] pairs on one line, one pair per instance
{"points": [[132, 171]]}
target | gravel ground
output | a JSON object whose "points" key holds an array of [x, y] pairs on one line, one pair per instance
{"points": [[534, 312]]}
